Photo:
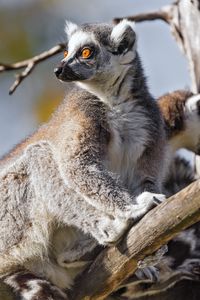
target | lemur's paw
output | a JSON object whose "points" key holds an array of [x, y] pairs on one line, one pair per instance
{"points": [[144, 202], [192, 105], [109, 231], [148, 273], [147, 199], [154, 259], [192, 266], [77, 256]]}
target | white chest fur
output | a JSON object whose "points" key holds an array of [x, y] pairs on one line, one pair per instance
{"points": [[128, 138]]}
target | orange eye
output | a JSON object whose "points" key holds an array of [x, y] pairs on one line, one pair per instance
{"points": [[65, 53], [86, 53]]}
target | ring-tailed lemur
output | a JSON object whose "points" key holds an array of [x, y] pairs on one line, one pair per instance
{"points": [[94, 167]]}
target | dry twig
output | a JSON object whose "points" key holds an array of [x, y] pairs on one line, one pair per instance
{"points": [[29, 65], [163, 14]]}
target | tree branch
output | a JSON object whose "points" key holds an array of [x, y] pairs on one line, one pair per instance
{"points": [[29, 65], [114, 265], [183, 16], [163, 14]]}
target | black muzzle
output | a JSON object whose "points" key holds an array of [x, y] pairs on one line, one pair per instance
{"points": [[65, 73]]}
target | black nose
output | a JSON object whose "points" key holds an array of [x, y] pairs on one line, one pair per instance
{"points": [[58, 71]]}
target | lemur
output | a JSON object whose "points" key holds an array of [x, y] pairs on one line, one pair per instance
{"points": [[82, 155], [91, 171]]}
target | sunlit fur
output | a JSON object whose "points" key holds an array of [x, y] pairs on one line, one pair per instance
{"points": [[81, 178], [98, 164]]}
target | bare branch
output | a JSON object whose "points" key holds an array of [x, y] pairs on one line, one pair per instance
{"points": [[29, 65], [114, 265], [183, 16], [22, 76], [162, 14]]}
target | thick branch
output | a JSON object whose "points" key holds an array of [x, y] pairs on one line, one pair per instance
{"points": [[29, 65], [160, 225]]}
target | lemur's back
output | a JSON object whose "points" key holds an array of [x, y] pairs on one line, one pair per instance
{"points": [[78, 121], [79, 112]]}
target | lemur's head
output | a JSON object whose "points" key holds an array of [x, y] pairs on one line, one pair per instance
{"points": [[97, 52]]}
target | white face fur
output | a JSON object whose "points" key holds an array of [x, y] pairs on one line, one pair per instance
{"points": [[98, 54]]}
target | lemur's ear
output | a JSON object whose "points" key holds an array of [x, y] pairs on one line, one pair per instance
{"points": [[70, 27], [123, 36]]}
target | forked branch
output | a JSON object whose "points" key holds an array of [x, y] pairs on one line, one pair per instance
{"points": [[29, 65]]}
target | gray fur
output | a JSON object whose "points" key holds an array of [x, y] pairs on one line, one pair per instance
{"points": [[93, 169], [28, 286]]}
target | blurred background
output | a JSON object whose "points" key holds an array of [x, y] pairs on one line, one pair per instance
{"points": [[28, 27]]}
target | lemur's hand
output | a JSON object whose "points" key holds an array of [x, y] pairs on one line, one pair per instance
{"points": [[143, 203], [109, 230], [147, 268]]}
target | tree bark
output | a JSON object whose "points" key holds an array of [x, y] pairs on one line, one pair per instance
{"points": [[114, 265], [185, 26], [183, 17]]}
